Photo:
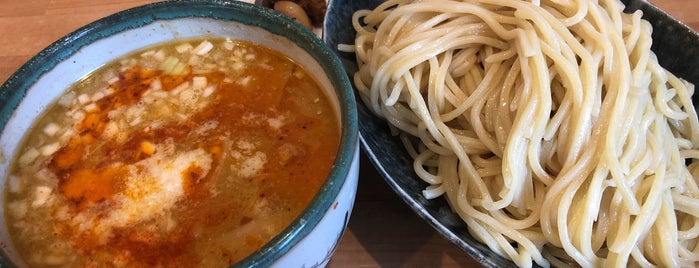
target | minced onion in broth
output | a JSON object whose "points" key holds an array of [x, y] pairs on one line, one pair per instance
{"points": [[190, 153]]}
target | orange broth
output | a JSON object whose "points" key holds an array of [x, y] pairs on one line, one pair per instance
{"points": [[193, 153]]}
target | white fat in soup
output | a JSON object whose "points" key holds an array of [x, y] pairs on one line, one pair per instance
{"points": [[190, 153]]}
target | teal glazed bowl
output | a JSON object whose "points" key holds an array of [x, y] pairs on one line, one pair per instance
{"points": [[310, 239]]}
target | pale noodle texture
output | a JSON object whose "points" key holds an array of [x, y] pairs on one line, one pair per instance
{"points": [[549, 126]]}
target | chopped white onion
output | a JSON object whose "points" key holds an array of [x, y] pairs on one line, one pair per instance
{"points": [[113, 80], [199, 82], [148, 53], [67, 99], [41, 195], [135, 121], [194, 60], [159, 55], [179, 88], [18, 209], [244, 81], [160, 94], [14, 183], [209, 90], [156, 84], [29, 156], [203, 47], [97, 96], [229, 45], [108, 91], [83, 99], [49, 149], [249, 57], [184, 48], [92, 107], [51, 129], [111, 130], [179, 68], [78, 116]]}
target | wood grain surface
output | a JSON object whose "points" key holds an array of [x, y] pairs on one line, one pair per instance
{"points": [[383, 231]]}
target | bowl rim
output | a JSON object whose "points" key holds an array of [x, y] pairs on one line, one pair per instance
{"points": [[15, 88]]}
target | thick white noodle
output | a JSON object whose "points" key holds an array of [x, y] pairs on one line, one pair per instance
{"points": [[549, 126]]}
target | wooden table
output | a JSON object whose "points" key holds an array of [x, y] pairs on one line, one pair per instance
{"points": [[383, 231]]}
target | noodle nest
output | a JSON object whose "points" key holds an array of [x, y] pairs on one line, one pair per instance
{"points": [[548, 126]]}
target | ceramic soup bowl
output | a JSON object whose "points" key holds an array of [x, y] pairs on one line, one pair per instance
{"points": [[312, 237]]}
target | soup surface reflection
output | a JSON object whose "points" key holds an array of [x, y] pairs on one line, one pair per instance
{"points": [[193, 153]]}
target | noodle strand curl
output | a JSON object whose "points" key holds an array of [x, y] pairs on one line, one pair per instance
{"points": [[549, 126]]}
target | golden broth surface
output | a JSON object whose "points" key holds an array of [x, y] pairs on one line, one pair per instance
{"points": [[193, 153]]}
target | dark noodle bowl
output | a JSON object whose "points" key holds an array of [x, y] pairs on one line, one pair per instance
{"points": [[313, 231], [678, 52]]}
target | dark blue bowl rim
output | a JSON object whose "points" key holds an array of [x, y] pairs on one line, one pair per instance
{"points": [[15, 88]]}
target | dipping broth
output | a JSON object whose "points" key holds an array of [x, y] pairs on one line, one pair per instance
{"points": [[191, 153]]}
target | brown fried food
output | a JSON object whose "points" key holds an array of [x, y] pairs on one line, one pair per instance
{"points": [[315, 9]]}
